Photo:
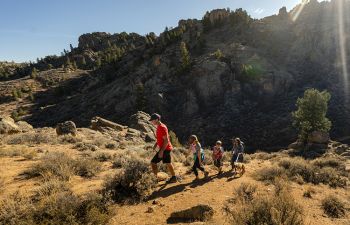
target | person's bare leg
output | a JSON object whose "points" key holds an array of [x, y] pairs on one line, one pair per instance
{"points": [[154, 168], [171, 169]]}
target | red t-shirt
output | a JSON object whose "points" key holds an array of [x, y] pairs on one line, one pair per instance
{"points": [[162, 131]]}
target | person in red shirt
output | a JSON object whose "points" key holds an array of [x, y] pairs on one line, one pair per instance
{"points": [[164, 145]]}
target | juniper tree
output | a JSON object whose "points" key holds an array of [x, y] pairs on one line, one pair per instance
{"points": [[185, 56], [311, 113]]}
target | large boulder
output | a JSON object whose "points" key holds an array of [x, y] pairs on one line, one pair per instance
{"points": [[196, 213], [67, 127], [140, 121], [9, 126], [318, 137]]}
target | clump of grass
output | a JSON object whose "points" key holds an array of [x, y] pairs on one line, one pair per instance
{"points": [[87, 167], [83, 146], [68, 139], [246, 191], [333, 206], [111, 145], [103, 156], [133, 184], [50, 187]]}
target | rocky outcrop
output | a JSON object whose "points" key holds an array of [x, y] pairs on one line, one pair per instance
{"points": [[196, 213], [318, 137], [140, 121], [9, 126], [67, 127], [100, 124]]}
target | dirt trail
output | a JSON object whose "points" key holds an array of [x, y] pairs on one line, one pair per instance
{"points": [[215, 191]]}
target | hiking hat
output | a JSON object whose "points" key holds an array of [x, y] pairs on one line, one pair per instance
{"points": [[219, 142], [155, 116]]}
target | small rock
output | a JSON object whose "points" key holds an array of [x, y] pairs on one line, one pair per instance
{"points": [[67, 127], [196, 213], [150, 210]]}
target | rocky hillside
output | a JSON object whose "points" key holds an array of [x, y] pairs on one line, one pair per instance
{"points": [[241, 76]]}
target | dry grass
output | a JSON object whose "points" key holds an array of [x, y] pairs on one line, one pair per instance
{"points": [[333, 206], [61, 166], [301, 170], [31, 138], [84, 146], [23, 152]]}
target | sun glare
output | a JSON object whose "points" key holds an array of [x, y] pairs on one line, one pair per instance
{"points": [[299, 9], [342, 44]]}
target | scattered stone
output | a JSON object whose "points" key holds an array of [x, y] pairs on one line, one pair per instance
{"points": [[162, 176], [150, 209], [296, 145], [196, 213], [24, 126], [67, 127]]}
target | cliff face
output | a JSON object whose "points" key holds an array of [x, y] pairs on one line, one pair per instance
{"points": [[247, 89]]}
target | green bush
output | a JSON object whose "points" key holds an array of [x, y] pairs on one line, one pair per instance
{"points": [[87, 167], [333, 207], [311, 113]]}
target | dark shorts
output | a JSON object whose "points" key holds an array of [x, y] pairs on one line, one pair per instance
{"points": [[166, 157], [217, 162], [234, 158]]}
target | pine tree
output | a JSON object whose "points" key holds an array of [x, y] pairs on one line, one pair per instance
{"points": [[34, 73], [185, 56]]}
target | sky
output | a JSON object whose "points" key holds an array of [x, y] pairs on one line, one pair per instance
{"points": [[31, 29]]}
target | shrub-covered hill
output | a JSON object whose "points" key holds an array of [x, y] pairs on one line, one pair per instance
{"points": [[225, 75]]}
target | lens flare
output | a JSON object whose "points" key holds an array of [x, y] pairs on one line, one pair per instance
{"points": [[298, 10], [342, 45]]}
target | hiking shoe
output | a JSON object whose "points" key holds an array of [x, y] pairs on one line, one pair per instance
{"points": [[206, 174], [173, 179]]}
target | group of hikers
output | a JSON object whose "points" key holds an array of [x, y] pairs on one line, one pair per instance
{"points": [[195, 148]]}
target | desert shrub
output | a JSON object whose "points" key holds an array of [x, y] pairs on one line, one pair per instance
{"points": [[133, 184], [53, 164], [263, 156], [121, 160], [87, 167], [103, 156], [16, 209], [227, 156], [178, 154], [68, 139], [60, 208], [296, 167], [83, 146], [2, 184], [246, 191], [279, 209], [268, 174], [332, 162], [333, 206], [31, 138], [50, 187], [111, 145]]}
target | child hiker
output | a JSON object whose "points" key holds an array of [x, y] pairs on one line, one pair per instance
{"points": [[218, 153], [198, 156]]}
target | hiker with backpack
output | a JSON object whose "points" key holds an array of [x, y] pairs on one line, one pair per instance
{"points": [[164, 145], [237, 155], [198, 156], [218, 153]]}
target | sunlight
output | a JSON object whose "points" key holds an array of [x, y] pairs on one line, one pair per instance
{"points": [[299, 9], [342, 44]]}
